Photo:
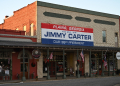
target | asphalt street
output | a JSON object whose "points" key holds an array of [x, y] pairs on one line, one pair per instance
{"points": [[96, 81]]}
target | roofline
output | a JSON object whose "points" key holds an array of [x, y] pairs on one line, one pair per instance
{"points": [[18, 35], [56, 6]]}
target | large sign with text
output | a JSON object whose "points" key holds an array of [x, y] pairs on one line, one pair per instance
{"points": [[66, 35]]}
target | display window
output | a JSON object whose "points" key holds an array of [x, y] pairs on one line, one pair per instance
{"points": [[5, 67], [55, 64]]}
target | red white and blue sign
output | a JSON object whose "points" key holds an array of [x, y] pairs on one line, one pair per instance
{"points": [[66, 35]]}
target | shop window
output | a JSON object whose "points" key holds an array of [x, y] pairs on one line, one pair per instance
{"points": [[96, 63], [32, 30], [104, 35], [5, 66], [24, 29], [57, 62]]}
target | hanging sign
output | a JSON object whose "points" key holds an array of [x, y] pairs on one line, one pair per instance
{"points": [[118, 55], [36, 53], [66, 35]]}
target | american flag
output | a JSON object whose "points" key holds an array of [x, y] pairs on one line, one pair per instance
{"points": [[51, 55], [105, 61], [45, 60], [82, 55]]}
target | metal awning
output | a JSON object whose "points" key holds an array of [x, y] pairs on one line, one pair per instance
{"points": [[15, 39], [39, 45]]}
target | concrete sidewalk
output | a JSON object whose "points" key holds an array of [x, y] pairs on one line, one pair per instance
{"points": [[39, 79]]}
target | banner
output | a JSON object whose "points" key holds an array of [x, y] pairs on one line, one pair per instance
{"points": [[66, 35]]}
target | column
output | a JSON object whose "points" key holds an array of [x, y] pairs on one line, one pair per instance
{"points": [[78, 75], [90, 64], [11, 69], [23, 78], [64, 76], [102, 65], [113, 65], [108, 66], [56, 66], [97, 65], [48, 76]]}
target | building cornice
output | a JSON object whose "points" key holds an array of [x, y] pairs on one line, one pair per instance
{"points": [[56, 6]]}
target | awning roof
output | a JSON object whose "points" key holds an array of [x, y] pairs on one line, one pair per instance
{"points": [[15, 39], [39, 45]]}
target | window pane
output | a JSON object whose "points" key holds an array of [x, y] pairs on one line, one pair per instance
{"points": [[24, 29], [31, 28], [104, 36], [25, 67]]}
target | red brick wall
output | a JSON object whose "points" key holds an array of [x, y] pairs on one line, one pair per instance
{"points": [[1, 26], [22, 17], [13, 32]]}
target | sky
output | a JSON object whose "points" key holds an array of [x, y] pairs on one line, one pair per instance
{"points": [[105, 6]]}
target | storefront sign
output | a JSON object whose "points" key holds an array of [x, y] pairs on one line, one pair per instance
{"points": [[36, 53], [118, 55], [66, 35]]}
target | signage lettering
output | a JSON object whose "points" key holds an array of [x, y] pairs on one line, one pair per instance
{"points": [[66, 35], [55, 34]]}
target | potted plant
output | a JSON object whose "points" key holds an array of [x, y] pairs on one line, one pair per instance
{"points": [[32, 75], [36, 77]]}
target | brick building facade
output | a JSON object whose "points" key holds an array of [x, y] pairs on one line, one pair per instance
{"points": [[105, 37], [23, 19]]}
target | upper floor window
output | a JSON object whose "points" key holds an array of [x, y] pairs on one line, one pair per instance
{"points": [[104, 35], [32, 30], [24, 29], [17, 29]]}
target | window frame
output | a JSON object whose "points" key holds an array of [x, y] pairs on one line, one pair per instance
{"points": [[104, 38]]}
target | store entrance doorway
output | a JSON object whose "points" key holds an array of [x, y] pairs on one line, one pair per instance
{"points": [[26, 67], [52, 69]]}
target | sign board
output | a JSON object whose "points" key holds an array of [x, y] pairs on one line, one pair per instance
{"points": [[66, 35], [118, 55], [36, 53]]}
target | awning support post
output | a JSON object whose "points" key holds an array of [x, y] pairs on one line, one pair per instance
{"points": [[23, 78], [78, 75], [48, 76], [64, 76], [90, 64], [102, 65], [113, 65]]}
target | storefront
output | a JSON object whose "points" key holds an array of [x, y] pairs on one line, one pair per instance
{"points": [[62, 33], [64, 58]]}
